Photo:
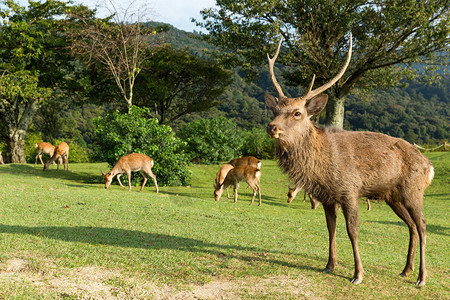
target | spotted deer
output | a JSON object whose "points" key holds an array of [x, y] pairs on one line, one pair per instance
{"points": [[131, 163], [221, 174], [337, 167], [246, 161], [249, 174], [61, 153], [46, 148]]}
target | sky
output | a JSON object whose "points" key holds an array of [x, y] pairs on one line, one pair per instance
{"points": [[174, 12]]}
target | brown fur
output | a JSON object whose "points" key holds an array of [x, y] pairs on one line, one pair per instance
{"points": [[221, 174], [338, 167], [131, 163], [60, 153], [249, 174], [46, 148], [246, 161]]}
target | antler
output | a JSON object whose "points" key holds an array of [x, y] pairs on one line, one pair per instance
{"points": [[272, 74], [311, 94]]}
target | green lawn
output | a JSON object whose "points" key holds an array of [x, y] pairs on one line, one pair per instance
{"points": [[63, 236]]}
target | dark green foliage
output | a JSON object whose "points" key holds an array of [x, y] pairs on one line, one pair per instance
{"points": [[119, 134], [176, 83], [258, 143], [212, 140], [418, 113]]}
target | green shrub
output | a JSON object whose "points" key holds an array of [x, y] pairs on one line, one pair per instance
{"points": [[259, 144], [119, 134], [212, 140]]}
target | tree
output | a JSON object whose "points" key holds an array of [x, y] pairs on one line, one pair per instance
{"points": [[175, 83], [20, 97], [211, 140], [33, 65], [119, 134], [120, 43], [390, 38]]}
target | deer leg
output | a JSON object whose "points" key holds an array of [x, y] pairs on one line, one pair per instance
{"points": [[253, 196], [331, 216], [154, 180], [259, 195], [129, 180], [228, 194], [368, 204], [145, 181], [419, 220], [350, 210], [314, 202], [118, 179], [236, 186], [401, 211], [66, 162]]}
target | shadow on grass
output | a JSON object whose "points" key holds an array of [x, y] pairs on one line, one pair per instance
{"points": [[245, 196], [52, 172], [145, 240], [436, 229]]}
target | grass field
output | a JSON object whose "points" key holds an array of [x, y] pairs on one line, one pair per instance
{"points": [[63, 236]]}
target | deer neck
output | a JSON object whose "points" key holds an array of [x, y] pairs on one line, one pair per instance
{"points": [[306, 159]]}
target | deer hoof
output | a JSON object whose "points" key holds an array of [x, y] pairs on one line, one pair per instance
{"points": [[327, 271], [356, 281], [420, 283]]}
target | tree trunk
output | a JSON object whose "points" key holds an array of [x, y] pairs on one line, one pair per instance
{"points": [[16, 147], [335, 112], [17, 118]]}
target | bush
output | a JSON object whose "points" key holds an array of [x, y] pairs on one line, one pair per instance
{"points": [[259, 144], [212, 140], [119, 134]]}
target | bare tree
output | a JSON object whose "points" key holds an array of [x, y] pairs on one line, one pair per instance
{"points": [[120, 42]]}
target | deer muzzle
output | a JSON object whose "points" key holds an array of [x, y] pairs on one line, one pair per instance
{"points": [[272, 130]]}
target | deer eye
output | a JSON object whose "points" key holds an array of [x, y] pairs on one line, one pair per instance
{"points": [[297, 114]]}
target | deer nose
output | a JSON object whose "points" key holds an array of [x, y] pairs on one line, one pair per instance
{"points": [[271, 129]]}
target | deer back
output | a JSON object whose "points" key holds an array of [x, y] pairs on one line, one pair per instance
{"points": [[246, 161], [133, 162], [242, 173], [222, 174]]}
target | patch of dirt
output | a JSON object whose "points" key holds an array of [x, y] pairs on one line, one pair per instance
{"points": [[95, 282], [299, 288]]}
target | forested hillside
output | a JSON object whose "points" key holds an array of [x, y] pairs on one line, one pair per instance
{"points": [[419, 113]]}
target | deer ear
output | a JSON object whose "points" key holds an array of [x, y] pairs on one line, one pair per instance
{"points": [[272, 102], [316, 104], [103, 173]]}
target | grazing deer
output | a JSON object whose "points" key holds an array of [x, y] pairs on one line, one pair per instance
{"points": [[338, 167], [46, 148], [293, 192], [246, 161], [221, 174], [249, 174], [61, 153], [131, 163]]}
